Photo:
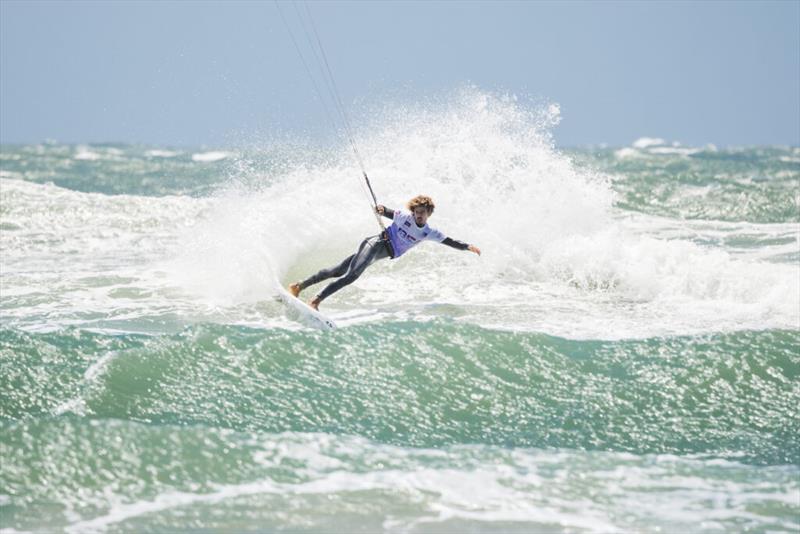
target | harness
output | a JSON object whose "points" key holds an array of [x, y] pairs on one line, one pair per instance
{"points": [[387, 243]]}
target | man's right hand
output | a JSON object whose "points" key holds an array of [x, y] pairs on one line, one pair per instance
{"points": [[379, 209]]}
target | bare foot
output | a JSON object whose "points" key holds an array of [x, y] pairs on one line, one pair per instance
{"points": [[294, 289], [314, 303]]}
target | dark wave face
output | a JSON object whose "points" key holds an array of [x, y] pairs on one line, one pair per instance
{"points": [[429, 385]]}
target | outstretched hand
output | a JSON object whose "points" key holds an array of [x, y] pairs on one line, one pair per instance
{"points": [[379, 209], [473, 248]]}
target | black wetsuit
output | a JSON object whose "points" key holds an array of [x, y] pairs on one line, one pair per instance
{"points": [[370, 250]]}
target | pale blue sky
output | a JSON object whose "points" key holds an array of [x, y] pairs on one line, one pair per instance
{"points": [[213, 73]]}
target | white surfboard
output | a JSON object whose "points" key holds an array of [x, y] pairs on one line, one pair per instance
{"points": [[303, 312]]}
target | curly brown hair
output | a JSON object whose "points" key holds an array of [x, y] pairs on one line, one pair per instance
{"points": [[421, 201]]}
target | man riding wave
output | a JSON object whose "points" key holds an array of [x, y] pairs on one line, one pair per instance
{"points": [[408, 229]]}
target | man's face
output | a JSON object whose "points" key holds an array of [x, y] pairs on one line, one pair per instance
{"points": [[421, 215]]}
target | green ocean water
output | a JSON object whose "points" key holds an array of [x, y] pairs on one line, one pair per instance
{"points": [[753, 184], [730, 395], [237, 428], [623, 357]]}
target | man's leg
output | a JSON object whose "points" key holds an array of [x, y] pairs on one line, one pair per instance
{"points": [[324, 274], [371, 249]]}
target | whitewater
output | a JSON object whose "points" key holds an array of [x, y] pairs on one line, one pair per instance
{"points": [[624, 356]]}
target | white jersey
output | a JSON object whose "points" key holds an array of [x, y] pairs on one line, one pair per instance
{"points": [[404, 233]]}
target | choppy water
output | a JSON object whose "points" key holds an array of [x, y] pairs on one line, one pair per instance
{"points": [[625, 356]]}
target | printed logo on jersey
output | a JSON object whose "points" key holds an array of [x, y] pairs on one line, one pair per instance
{"points": [[405, 235]]}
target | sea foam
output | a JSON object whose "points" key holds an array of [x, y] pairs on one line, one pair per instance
{"points": [[557, 254]]}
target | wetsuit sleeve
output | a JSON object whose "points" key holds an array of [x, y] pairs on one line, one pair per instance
{"points": [[455, 243], [388, 212]]}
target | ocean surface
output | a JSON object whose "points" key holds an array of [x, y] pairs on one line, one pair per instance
{"points": [[623, 357]]}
